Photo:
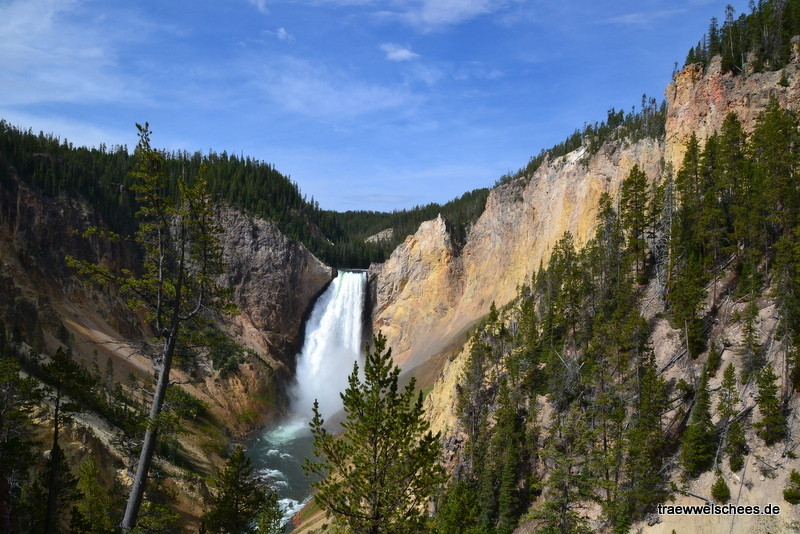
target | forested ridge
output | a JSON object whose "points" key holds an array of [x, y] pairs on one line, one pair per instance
{"points": [[751, 42], [625, 127], [100, 176], [621, 429]]}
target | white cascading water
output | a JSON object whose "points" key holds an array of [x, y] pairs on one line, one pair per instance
{"points": [[333, 342]]}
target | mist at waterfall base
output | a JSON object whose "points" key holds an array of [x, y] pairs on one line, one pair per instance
{"points": [[333, 342]]}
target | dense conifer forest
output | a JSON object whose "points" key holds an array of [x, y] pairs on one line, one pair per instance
{"points": [[100, 176], [759, 40], [576, 336]]}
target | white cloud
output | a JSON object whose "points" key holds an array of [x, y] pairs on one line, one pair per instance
{"points": [[342, 3], [317, 91], [398, 53], [261, 5], [51, 52], [427, 74], [643, 17], [425, 14], [433, 14], [281, 34]]}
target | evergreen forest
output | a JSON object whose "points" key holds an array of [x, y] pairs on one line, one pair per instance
{"points": [[724, 227], [564, 411], [751, 42], [100, 177]]}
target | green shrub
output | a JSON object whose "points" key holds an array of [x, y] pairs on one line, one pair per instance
{"points": [[792, 491], [720, 490]]}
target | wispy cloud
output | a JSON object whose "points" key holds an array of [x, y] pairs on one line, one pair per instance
{"points": [[51, 52], [342, 3], [321, 92], [425, 15], [434, 14], [396, 52], [281, 34], [261, 5], [642, 18], [478, 70]]}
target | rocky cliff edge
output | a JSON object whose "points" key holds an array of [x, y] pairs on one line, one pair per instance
{"points": [[428, 292]]}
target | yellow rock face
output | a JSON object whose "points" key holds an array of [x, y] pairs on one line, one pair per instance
{"points": [[428, 292]]}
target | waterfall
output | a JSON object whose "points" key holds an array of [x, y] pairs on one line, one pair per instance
{"points": [[333, 342]]}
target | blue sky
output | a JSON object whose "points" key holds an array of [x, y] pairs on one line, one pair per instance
{"points": [[366, 104]]}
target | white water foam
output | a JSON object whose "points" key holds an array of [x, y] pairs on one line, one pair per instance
{"points": [[291, 507], [286, 433]]}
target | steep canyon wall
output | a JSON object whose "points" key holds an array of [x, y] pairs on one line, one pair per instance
{"points": [[429, 292], [275, 282]]}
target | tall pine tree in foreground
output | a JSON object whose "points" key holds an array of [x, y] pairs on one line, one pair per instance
{"points": [[176, 287], [380, 475]]}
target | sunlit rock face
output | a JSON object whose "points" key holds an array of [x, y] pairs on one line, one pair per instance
{"points": [[274, 280], [429, 291], [700, 98]]}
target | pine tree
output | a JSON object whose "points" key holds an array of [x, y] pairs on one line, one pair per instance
{"points": [[720, 490], [472, 406], [459, 512], [713, 38], [94, 507], [737, 445], [633, 213], [238, 499], [17, 396], [686, 297], [686, 290], [699, 441], [62, 372], [772, 426], [728, 396], [773, 150], [570, 482], [732, 172], [792, 492], [269, 518], [380, 475], [55, 492], [714, 360], [177, 285], [688, 181], [645, 441], [750, 350], [507, 446], [710, 223]]}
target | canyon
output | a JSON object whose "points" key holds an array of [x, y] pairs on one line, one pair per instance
{"points": [[424, 298]]}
